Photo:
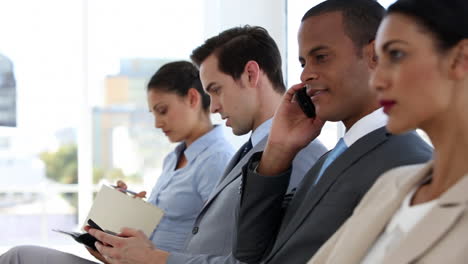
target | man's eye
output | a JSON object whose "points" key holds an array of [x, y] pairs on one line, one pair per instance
{"points": [[321, 57], [162, 111]]}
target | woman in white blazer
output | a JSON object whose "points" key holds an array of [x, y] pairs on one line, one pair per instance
{"points": [[419, 213]]}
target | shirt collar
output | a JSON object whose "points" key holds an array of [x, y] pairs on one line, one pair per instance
{"points": [[261, 132], [364, 126], [200, 143]]}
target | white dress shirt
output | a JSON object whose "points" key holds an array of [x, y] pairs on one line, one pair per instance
{"points": [[364, 126]]}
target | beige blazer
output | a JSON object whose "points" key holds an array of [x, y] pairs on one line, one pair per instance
{"points": [[440, 237]]}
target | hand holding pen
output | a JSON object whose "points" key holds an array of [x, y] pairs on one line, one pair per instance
{"points": [[122, 187]]}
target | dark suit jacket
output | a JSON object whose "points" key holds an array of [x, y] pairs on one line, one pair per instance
{"points": [[267, 232]]}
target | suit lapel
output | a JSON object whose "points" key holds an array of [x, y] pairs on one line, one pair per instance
{"points": [[315, 193], [426, 233], [233, 170], [390, 199], [438, 222], [232, 163]]}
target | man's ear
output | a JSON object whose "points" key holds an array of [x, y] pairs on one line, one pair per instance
{"points": [[368, 51], [252, 73], [459, 63], [194, 97]]}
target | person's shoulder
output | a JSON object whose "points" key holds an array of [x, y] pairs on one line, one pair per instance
{"points": [[401, 172], [391, 181], [316, 146], [219, 150], [221, 146], [408, 137], [310, 154], [410, 143]]}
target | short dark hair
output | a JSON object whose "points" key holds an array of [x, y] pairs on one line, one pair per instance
{"points": [[236, 46], [361, 18], [445, 19], [178, 77]]}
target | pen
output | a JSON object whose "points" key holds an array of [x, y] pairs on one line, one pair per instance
{"points": [[125, 191]]}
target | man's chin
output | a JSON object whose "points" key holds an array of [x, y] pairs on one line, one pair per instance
{"points": [[239, 132], [328, 116]]}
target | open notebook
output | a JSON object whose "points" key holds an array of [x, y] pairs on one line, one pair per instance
{"points": [[112, 210]]}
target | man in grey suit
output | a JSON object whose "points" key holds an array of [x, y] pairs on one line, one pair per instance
{"points": [[241, 70], [336, 51]]}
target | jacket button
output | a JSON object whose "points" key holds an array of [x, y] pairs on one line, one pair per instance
{"points": [[195, 230]]}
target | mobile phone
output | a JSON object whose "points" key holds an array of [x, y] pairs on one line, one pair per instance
{"points": [[84, 238], [305, 102], [92, 224], [87, 238]]}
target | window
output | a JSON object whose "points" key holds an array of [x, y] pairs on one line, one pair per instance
{"points": [[80, 69]]}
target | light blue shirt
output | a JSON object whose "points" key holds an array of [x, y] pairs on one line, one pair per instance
{"points": [[261, 132], [303, 161], [181, 193]]}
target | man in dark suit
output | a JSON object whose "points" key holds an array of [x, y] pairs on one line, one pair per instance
{"points": [[336, 50]]}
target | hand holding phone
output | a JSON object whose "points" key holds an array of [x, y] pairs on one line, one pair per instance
{"points": [[304, 101], [84, 238]]}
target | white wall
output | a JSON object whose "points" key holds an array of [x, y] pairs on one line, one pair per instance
{"points": [[270, 14]]}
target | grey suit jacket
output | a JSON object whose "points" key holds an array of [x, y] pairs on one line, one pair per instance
{"points": [[212, 235], [440, 237], [268, 233]]}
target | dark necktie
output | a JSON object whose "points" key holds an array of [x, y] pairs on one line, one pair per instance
{"points": [[245, 148]]}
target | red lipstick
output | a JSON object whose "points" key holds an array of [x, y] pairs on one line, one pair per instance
{"points": [[387, 105]]}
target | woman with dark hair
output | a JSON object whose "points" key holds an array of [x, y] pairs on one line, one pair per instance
{"points": [[180, 107], [419, 213], [181, 110]]}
